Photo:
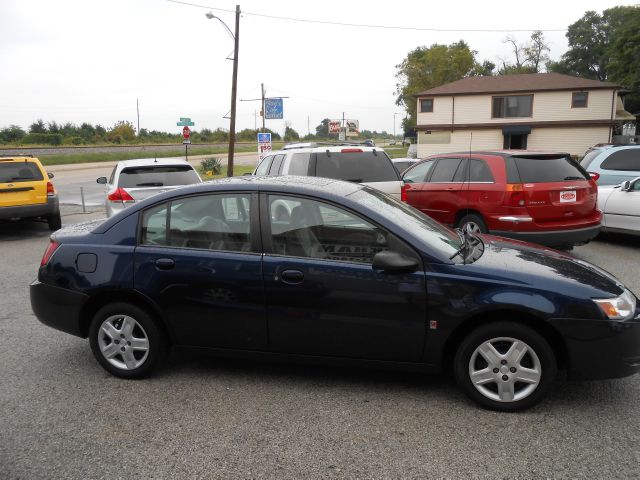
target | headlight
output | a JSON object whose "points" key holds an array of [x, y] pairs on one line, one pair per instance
{"points": [[619, 308]]}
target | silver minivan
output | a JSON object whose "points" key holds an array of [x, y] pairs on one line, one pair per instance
{"points": [[135, 180]]}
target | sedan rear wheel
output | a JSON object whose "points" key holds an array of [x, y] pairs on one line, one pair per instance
{"points": [[126, 341], [505, 366]]}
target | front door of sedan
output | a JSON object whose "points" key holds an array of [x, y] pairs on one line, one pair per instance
{"points": [[323, 296], [199, 260], [622, 210]]}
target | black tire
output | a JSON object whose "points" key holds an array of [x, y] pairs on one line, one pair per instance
{"points": [[538, 357], [143, 361], [475, 219], [54, 221]]}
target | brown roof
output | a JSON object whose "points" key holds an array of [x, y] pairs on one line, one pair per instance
{"points": [[524, 82]]}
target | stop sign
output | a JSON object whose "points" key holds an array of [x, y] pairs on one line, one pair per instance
{"points": [[186, 132]]}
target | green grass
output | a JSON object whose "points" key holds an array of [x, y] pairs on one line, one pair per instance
{"points": [[238, 171], [79, 157], [397, 152]]}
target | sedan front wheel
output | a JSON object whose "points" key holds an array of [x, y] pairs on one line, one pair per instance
{"points": [[505, 366]]}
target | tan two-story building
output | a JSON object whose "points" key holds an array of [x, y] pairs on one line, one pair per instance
{"points": [[538, 111]]}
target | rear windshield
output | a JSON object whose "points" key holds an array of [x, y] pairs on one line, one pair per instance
{"points": [[548, 169], [588, 158], [19, 172], [359, 167], [157, 176]]}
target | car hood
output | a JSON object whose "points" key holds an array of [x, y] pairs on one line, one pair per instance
{"points": [[544, 268]]}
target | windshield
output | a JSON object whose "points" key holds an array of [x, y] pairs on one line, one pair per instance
{"points": [[19, 172], [157, 176], [442, 239]]}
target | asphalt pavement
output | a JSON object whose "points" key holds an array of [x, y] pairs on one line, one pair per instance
{"points": [[62, 416]]}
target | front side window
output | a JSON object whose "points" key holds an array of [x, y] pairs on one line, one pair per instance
{"points": [[263, 168], [320, 230], [418, 174], [209, 222], [579, 99], [512, 106], [426, 105], [276, 164]]}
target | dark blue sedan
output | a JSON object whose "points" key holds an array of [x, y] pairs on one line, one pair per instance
{"points": [[334, 272]]}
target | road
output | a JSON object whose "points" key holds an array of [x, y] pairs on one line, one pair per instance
{"points": [[69, 179], [62, 416]]}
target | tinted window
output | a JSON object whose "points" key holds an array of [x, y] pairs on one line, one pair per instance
{"points": [[402, 166], [480, 171], [444, 170], [263, 168], [323, 231], [512, 106], [299, 164], [418, 174], [276, 164], [625, 160], [356, 167], [588, 158], [549, 169], [157, 176], [211, 222], [19, 172]]}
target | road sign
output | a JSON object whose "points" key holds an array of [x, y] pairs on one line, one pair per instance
{"points": [[264, 145], [273, 109], [185, 122], [186, 132]]}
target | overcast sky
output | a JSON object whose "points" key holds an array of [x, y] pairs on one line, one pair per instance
{"points": [[88, 60]]}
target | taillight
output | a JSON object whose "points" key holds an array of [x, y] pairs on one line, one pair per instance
{"points": [[48, 253], [351, 150], [120, 195], [50, 189], [403, 193], [594, 176], [515, 195]]}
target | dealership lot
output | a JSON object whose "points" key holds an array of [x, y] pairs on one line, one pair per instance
{"points": [[63, 416]]}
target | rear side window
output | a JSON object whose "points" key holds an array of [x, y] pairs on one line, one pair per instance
{"points": [[359, 167], [299, 164], [19, 172], [444, 170], [480, 172], [549, 169], [157, 176], [625, 160]]}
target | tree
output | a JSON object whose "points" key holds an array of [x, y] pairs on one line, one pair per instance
{"points": [[429, 67], [38, 127], [322, 130], [121, 131], [529, 57], [12, 133], [289, 133]]}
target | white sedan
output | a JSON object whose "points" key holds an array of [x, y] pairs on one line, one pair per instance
{"points": [[620, 206]]}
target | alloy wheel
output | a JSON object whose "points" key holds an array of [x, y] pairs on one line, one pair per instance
{"points": [[123, 342]]}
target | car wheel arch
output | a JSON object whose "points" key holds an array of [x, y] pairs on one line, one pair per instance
{"points": [[99, 300], [525, 318], [467, 211]]}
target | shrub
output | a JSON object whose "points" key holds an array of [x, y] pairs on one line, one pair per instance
{"points": [[211, 166], [42, 138]]}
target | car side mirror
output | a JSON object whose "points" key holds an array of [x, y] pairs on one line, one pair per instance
{"points": [[50, 175], [102, 180], [393, 262], [626, 186]]}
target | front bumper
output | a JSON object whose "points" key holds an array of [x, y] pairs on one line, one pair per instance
{"points": [[600, 349], [31, 211], [57, 307], [578, 236]]}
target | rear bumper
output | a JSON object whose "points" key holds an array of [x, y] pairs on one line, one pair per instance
{"points": [[57, 307], [31, 211], [554, 238], [600, 349]]}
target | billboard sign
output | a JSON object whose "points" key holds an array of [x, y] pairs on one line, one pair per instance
{"points": [[264, 145], [353, 128], [334, 126], [273, 109]]}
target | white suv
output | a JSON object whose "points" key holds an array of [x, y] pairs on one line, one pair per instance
{"points": [[351, 162]]}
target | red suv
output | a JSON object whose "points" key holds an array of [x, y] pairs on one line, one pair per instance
{"points": [[544, 198]]}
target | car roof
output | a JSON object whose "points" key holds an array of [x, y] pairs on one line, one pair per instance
{"points": [[144, 162], [21, 158], [503, 153], [323, 147]]}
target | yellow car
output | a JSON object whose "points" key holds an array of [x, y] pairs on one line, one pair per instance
{"points": [[26, 192]]}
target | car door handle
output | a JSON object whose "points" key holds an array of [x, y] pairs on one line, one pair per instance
{"points": [[165, 263], [450, 188], [292, 277]]}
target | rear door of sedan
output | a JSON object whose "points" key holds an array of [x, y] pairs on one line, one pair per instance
{"points": [[323, 296]]}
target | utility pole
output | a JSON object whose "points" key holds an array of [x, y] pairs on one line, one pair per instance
{"points": [[262, 111], [138, 110], [234, 90], [308, 126]]}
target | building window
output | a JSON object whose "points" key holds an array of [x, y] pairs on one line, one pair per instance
{"points": [[426, 105], [579, 99], [512, 106]]}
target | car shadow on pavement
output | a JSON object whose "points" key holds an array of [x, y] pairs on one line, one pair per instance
{"points": [[618, 239], [23, 229]]}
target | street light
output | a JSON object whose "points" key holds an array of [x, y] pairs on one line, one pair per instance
{"points": [[234, 86], [394, 123]]}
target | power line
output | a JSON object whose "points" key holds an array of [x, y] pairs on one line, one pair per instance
{"points": [[386, 27]]}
